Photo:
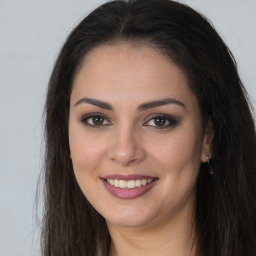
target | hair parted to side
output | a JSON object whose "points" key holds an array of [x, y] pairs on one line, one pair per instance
{"points": [[226, 206]]}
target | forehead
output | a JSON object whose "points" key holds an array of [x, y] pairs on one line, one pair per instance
{"points": [[130, 71]]}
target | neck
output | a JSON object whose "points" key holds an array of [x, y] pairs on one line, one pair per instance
{"points": [[173, 238]]}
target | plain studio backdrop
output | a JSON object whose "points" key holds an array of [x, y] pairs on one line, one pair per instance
{"points": [[31, 34]]}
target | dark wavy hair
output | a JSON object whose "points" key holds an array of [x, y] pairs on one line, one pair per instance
{"points": [[226, 206]]}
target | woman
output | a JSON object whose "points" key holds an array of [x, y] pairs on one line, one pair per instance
{"points": [[150, 141]]}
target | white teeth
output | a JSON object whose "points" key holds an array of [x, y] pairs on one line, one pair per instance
{"points": [[129, 183], [122, 183], [144, 182], [138, 183], [116, 183]]}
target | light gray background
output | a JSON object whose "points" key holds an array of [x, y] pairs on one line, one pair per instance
{"points": [[31, 33]]}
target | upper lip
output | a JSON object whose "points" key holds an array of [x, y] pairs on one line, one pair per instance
{"points": [[127, 177]]}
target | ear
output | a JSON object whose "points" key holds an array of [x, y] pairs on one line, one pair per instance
{"points": [[207, 143]]}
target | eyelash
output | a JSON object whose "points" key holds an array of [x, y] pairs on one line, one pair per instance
{"points": [[171, 121], [85, 120]]}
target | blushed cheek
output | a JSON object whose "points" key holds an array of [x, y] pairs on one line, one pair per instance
{"points": [[180, 151], [85, 153]]}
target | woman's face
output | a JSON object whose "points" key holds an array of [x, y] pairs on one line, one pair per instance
{"points": [[135, 134]]}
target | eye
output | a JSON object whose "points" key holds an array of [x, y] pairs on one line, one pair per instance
{"points": [[162, 121], [95, 120]]}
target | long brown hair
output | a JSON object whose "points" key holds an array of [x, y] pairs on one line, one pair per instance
{"points": [[226, 206]]}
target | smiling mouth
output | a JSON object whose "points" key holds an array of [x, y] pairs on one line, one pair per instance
{"points": [[128, 184]]}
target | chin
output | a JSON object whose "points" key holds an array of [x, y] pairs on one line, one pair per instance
{"points": [[130, 218]]}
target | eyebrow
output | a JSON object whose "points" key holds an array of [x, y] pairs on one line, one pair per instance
{"points": [[158, 103], [144, 106], [95, 102]]}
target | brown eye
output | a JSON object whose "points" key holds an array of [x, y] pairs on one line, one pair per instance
{"points": [[95, 120], [159, 121], [162, 121]]}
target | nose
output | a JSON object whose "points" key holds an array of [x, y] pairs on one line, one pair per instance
{"points": [[126, 147]]}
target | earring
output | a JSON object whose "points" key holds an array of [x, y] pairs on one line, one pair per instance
{"points": [[211, 171]]}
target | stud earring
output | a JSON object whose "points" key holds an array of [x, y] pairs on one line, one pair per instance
{"points": [[211, 171]]}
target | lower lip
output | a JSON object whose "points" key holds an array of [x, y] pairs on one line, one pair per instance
{"points": [[125, 193]]}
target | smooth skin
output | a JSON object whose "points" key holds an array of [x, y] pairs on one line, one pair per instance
{"points": [[112, 130]]}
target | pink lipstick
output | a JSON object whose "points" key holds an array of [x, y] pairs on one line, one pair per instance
{"points": [[128, 186]]}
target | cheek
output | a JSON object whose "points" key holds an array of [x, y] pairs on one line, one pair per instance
{"points": [[178, 150], [85, 151], [178, 165]]}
